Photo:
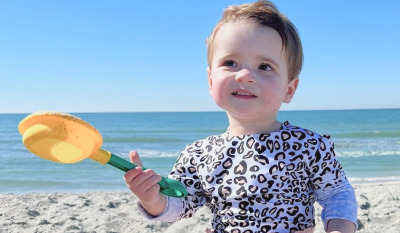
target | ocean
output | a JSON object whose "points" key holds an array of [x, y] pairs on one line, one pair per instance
{"points": [[367, 143]]}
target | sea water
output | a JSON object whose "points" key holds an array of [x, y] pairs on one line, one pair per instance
{"points": [[367, 143]]}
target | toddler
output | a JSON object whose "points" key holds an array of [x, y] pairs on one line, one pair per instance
{"points": [[261, 175]]}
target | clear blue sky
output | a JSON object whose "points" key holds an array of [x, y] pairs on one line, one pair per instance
{"points": [[129, 56]]}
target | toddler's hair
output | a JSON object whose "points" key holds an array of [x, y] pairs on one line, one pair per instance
{"points": [[265, 13]]}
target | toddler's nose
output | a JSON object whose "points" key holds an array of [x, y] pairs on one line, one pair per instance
{"points": [[245, 75]]}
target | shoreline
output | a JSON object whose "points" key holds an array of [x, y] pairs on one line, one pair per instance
{"points": [[125, 190], [378, 211]]}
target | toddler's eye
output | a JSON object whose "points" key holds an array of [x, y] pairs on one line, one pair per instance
{"points": [[229, 63], [265, 67]]}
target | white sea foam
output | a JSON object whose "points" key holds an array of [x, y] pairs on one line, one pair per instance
{"points": [[361, 153], [373, 179], [154, 153]]}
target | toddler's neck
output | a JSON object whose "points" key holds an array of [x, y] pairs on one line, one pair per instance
{"points": [[237, 128]]}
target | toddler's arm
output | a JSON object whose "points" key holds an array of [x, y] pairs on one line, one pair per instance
{"points": [[185, 172], [332, 189], [339, 212], [144, 184], [340, 226]]}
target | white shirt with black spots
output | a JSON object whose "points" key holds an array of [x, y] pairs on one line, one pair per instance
{"points": [[259, 182]]}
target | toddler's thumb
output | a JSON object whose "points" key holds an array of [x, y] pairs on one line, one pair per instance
{"points": [[135, 159]]}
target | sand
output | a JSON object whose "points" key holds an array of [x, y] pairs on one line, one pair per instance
{"points": [[378, 211]]}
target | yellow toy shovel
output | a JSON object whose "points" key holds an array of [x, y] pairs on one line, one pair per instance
{"points": [[64, 138]]}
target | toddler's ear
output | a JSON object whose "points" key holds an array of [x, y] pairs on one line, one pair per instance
{"points": [[291, 89], [209, 79]]}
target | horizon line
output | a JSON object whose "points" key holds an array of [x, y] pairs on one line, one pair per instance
{"points": [[306, 110]]}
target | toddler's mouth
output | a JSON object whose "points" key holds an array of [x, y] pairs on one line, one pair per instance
{"points": [[243, 94]]}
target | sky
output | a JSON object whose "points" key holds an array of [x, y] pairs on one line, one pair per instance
{"points": [[150, 56]]}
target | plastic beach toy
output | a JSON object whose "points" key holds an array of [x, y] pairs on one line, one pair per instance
{"points": [[64, 138]]}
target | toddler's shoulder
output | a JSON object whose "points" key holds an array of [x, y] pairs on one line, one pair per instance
{"points": [[303, 134], [201, 145]]}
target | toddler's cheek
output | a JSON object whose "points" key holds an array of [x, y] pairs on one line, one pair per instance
{"points": [[221, 102], [215, 94]]}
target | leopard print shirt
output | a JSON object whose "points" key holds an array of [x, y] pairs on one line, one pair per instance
{"points": [[259, 182]]}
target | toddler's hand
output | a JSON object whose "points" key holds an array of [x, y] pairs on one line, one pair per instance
{"points": [[144, 184]]}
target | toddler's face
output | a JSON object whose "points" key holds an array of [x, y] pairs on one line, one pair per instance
{"points": [[248, 76]]}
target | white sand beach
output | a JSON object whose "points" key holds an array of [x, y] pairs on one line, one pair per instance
{"points": [[379, 211]]}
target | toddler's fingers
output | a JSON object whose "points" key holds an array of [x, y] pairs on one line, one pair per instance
{"points": [[135, 159], [144, 185], [153, 189], [152, 180], [130, 175], [150, 183], [145, 177]]}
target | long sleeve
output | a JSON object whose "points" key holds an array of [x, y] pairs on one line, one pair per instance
{"points": [[340, 204], [331, 187], [185, 172], [172, 211]]}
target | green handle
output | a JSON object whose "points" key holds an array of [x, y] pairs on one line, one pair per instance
{"points": [[169, 187]]}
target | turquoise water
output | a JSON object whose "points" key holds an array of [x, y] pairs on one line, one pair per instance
{"points": [[367, 143]]}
